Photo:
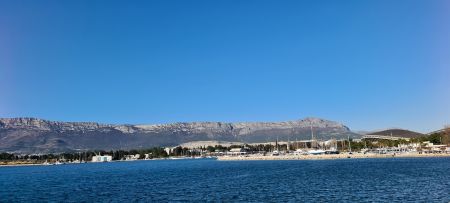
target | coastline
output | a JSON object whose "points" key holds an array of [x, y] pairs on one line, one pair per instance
{"points": [[327, 156], [8, 164], [273, 158]]}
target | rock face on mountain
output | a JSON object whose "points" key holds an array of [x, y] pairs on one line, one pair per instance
{"points": [[32, 135]]}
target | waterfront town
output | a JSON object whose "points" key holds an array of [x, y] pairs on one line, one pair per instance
{"points": [[368, 146]]}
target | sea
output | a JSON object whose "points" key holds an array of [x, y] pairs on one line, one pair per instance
{"points": [[210, 180]]}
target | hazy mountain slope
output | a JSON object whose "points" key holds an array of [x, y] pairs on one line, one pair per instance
{"points": [[31, 135], [398, 133]]}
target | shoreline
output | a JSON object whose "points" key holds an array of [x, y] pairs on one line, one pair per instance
{"points": [[273, 158], [327, 157], [9, 164]]}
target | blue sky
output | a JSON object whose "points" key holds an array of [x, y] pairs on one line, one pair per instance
{"points": [[367, 64]]}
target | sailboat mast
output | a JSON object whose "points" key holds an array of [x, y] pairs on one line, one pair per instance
{"points": [[288, 147], [277, 144], [312, 136], [349, 143]]}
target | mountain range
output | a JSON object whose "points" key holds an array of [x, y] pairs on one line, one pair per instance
{"points": [[33, 135]]}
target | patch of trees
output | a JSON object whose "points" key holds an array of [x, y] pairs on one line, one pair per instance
{"points": [[442, 137], [156, 152]]}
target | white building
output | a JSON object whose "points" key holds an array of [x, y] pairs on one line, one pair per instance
{"points": [[99, 158], [236, 151], [434, 147], [132, 157], [168, 150]]}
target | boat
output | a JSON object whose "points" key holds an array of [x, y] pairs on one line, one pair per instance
{"points": [[177, 158], [300, 152], [331, 152], [57, 163], [316, 151], [275, 153]]}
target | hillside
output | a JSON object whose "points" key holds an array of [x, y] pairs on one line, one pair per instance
{"points": [[398, 133]]}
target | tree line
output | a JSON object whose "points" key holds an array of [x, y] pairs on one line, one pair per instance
{"points": [[156, 152]]}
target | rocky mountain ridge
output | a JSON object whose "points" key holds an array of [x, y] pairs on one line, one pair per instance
{"points": [[37, 135]]}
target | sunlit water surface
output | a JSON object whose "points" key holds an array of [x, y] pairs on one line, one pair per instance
{"points": [[348, 180]]}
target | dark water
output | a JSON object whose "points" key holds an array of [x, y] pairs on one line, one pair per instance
{"points": [[350, 180]]}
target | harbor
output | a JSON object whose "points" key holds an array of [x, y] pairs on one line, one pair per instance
{"points": [[329, 156]]}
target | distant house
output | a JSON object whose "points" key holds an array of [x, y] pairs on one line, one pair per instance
{"points": [[236, 151], [99, 158], [217, 152], [433, 148], [132, 157]]}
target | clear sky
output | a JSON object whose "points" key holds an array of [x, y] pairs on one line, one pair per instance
{"points": [[368, 64]]}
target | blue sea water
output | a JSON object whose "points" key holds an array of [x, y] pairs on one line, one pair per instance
{"points": [[347, 180]]}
